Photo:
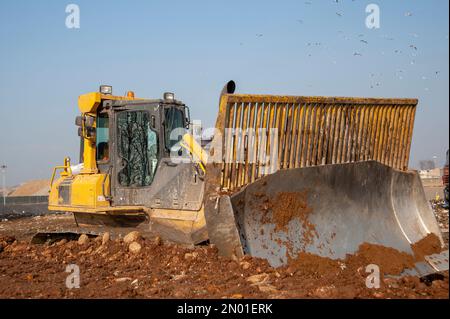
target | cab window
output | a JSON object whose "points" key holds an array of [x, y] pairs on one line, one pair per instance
{"points": [[102, 137], [137, 149], [173, 120]]}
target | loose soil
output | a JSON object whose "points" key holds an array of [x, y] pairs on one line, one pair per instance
{"points": [[165, 270]]}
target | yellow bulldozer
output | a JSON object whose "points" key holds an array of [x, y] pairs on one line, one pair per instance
{"points": [[282, 174]]}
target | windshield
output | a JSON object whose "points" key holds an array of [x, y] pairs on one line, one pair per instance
{"points": [[173, 126]]}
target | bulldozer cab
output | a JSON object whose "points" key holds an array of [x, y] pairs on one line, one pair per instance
{"points": [[133, 138], [139, 137]]}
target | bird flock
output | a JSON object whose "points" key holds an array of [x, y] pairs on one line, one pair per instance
{"points": [[399, 74]]}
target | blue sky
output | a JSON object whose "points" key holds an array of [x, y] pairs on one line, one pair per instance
{"points": [[193, 47]]}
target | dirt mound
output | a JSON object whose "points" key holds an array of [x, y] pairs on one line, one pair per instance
{"points": [[32, 188]]}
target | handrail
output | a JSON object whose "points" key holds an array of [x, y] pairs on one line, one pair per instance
{"points": [[66, 167]]}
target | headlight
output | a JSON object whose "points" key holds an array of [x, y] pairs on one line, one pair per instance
{"points": [[106, 89], [169, 96]]}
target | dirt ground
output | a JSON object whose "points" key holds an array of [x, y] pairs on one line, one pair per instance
{"points": [[158, 269]]}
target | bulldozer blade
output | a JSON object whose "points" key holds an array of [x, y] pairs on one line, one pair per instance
{"points": [[331, 210]]}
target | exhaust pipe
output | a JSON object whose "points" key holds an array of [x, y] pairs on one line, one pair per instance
{"points": [[229, 88]]}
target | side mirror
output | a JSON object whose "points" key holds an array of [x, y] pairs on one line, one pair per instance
{"points": [[79, 121], [89, 121], [187, 114]]}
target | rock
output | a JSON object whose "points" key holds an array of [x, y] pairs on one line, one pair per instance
{"points": [[258, 279], [378, 294], [83, 239], [391, 283], [105, 238], [324, 292], [157, 241], [135, 247], [123, 279], [131, 237], [189, 256], [267, 288], [245, 265], [237, 296], [180, 276]]}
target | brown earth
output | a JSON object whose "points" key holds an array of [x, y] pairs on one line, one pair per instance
{"points": [[427, 246], [165, 270]]}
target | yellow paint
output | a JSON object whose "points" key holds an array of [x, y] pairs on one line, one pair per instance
{"points": [[199, 155], [89, 102], [87, 190]]}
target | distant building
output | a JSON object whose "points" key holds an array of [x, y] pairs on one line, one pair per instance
{"points": [[431, 177], [427, 165]]}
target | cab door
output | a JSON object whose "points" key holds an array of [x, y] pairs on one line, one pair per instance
{"points": [[137, 153]]}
